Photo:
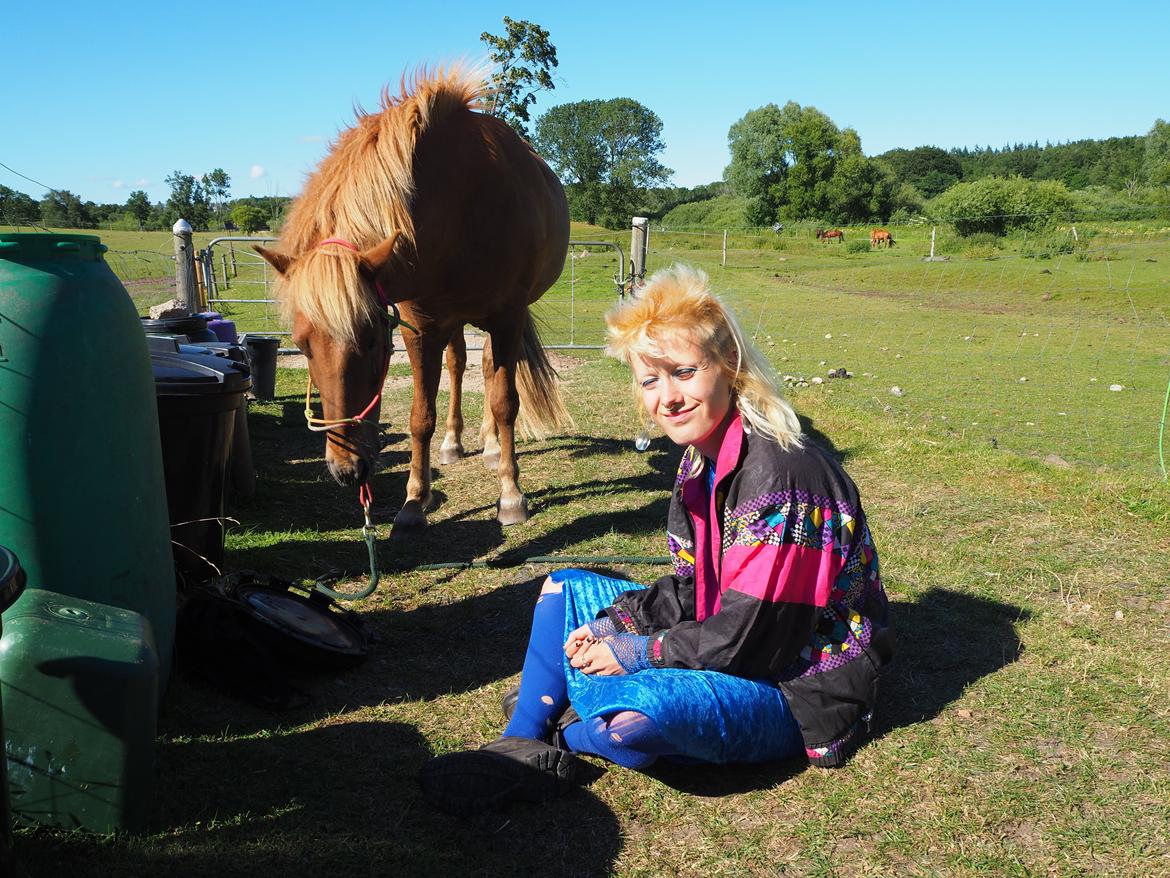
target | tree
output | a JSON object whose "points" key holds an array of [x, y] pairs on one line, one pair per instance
{"points": [[249, 219], [61, 209], [525, 59], [759, 163], [606, 152], [18, 209], [188, 201], [1156, 162], [792, 162], [217, 185], [138, 206], [928, 169], [814, 143], [860, 190]]}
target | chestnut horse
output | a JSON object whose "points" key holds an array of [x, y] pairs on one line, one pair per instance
{"points": [[877, 237], [831, 234], [448, 213]]}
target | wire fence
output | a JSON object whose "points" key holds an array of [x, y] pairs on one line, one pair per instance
{"points": [[1053, 343]]}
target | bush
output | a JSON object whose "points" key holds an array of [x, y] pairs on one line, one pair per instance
{"points": [[904, 217], [1046, 245], [998, 205], [857, 246], [722, 212], [983, 239]]}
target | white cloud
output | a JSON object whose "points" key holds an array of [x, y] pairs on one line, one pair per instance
{"points": [[258, 171], [141, 182], [119, 184]]}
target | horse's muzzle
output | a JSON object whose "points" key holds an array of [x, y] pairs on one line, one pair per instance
{"points": [[350, 471]]}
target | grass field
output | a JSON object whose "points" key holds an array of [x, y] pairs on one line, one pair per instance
{"points": [[1025, 724]]}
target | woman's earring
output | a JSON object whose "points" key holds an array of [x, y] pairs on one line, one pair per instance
{"points": [[642, 440]]}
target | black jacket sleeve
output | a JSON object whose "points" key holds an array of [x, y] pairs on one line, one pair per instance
{"points": [[668, 601]]}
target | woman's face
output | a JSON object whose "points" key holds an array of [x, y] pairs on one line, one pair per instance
{"points": [[686, 393]]}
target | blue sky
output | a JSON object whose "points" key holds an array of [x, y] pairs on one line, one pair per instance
{"points": [[106, 98]]}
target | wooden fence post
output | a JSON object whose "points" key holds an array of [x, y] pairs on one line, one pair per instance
{"points": [[725, 248], [188, 292], [639, 245]]}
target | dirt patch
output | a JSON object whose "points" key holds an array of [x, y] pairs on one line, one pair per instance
{"points": [[472, 378]]}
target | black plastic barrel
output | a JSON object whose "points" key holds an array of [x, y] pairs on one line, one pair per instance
{"points": [[262, 350], [12, 582], [199, 397], [241, 472]]}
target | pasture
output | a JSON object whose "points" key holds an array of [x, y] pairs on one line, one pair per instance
{"points": [[1022, 525]]}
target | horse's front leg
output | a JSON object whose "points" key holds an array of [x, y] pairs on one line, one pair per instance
{"points": [[425, 350], [504, 402], [451, 451]]}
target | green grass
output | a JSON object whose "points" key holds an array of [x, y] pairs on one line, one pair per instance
{"points": [[1024, 724]]}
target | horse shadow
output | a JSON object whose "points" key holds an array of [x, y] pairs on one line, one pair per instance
{"points": [[947, 640], [306, 802]]}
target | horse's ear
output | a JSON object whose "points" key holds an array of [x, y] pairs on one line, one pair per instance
{"points": [[280, 261], [374, 260]]}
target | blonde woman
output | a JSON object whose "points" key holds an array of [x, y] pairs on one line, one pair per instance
{"points": [[767, 640]]}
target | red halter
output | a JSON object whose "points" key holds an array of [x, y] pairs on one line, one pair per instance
{"points": [[321, 425]]}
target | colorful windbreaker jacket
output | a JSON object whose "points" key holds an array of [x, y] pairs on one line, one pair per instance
{"points": [[776, 577]]}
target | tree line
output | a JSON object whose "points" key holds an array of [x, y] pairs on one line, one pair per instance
{"points": [[204, 202]]}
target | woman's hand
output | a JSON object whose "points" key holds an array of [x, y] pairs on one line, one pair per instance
{"points": [[582, 637], [596, 657]]}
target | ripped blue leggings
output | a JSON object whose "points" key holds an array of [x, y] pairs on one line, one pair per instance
{"points": [[633, 719]]}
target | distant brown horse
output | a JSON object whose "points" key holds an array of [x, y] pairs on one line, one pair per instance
{"points": [[831, 234], [878, 237], [450, 214]]}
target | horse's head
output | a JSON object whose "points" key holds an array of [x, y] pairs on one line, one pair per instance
{"points": [[332, 297]]}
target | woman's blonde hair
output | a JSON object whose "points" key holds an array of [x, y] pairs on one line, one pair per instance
{"points": [[677, 304]]}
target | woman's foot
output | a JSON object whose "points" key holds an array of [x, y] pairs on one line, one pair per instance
{"points": [[503, 771]]}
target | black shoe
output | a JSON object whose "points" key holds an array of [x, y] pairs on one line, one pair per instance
{"points": [[504, 771], [508, 706]]}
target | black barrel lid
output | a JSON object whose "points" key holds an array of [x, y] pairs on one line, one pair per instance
{"points": [[12, 578], [175, 325], [225, 349], [188, 374], [309, 622]]}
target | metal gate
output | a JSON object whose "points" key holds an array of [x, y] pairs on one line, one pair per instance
{"points": [[238, 283]]}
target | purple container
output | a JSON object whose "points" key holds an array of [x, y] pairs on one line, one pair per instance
{"points": [[225, 330]]}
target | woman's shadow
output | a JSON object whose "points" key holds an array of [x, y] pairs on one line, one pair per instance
{"points": [[342, 797]]}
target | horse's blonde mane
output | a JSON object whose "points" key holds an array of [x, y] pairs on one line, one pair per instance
{"points": [[362, 192]]}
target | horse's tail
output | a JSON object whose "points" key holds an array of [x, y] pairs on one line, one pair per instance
{"points": [[542, 410]]}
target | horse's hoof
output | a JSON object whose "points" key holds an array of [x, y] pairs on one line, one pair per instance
{"points": [[450, 455], [491, 461], [408, 520], [512, 513]]}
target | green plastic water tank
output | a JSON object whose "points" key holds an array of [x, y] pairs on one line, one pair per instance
{"points": [[82, 495]]}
